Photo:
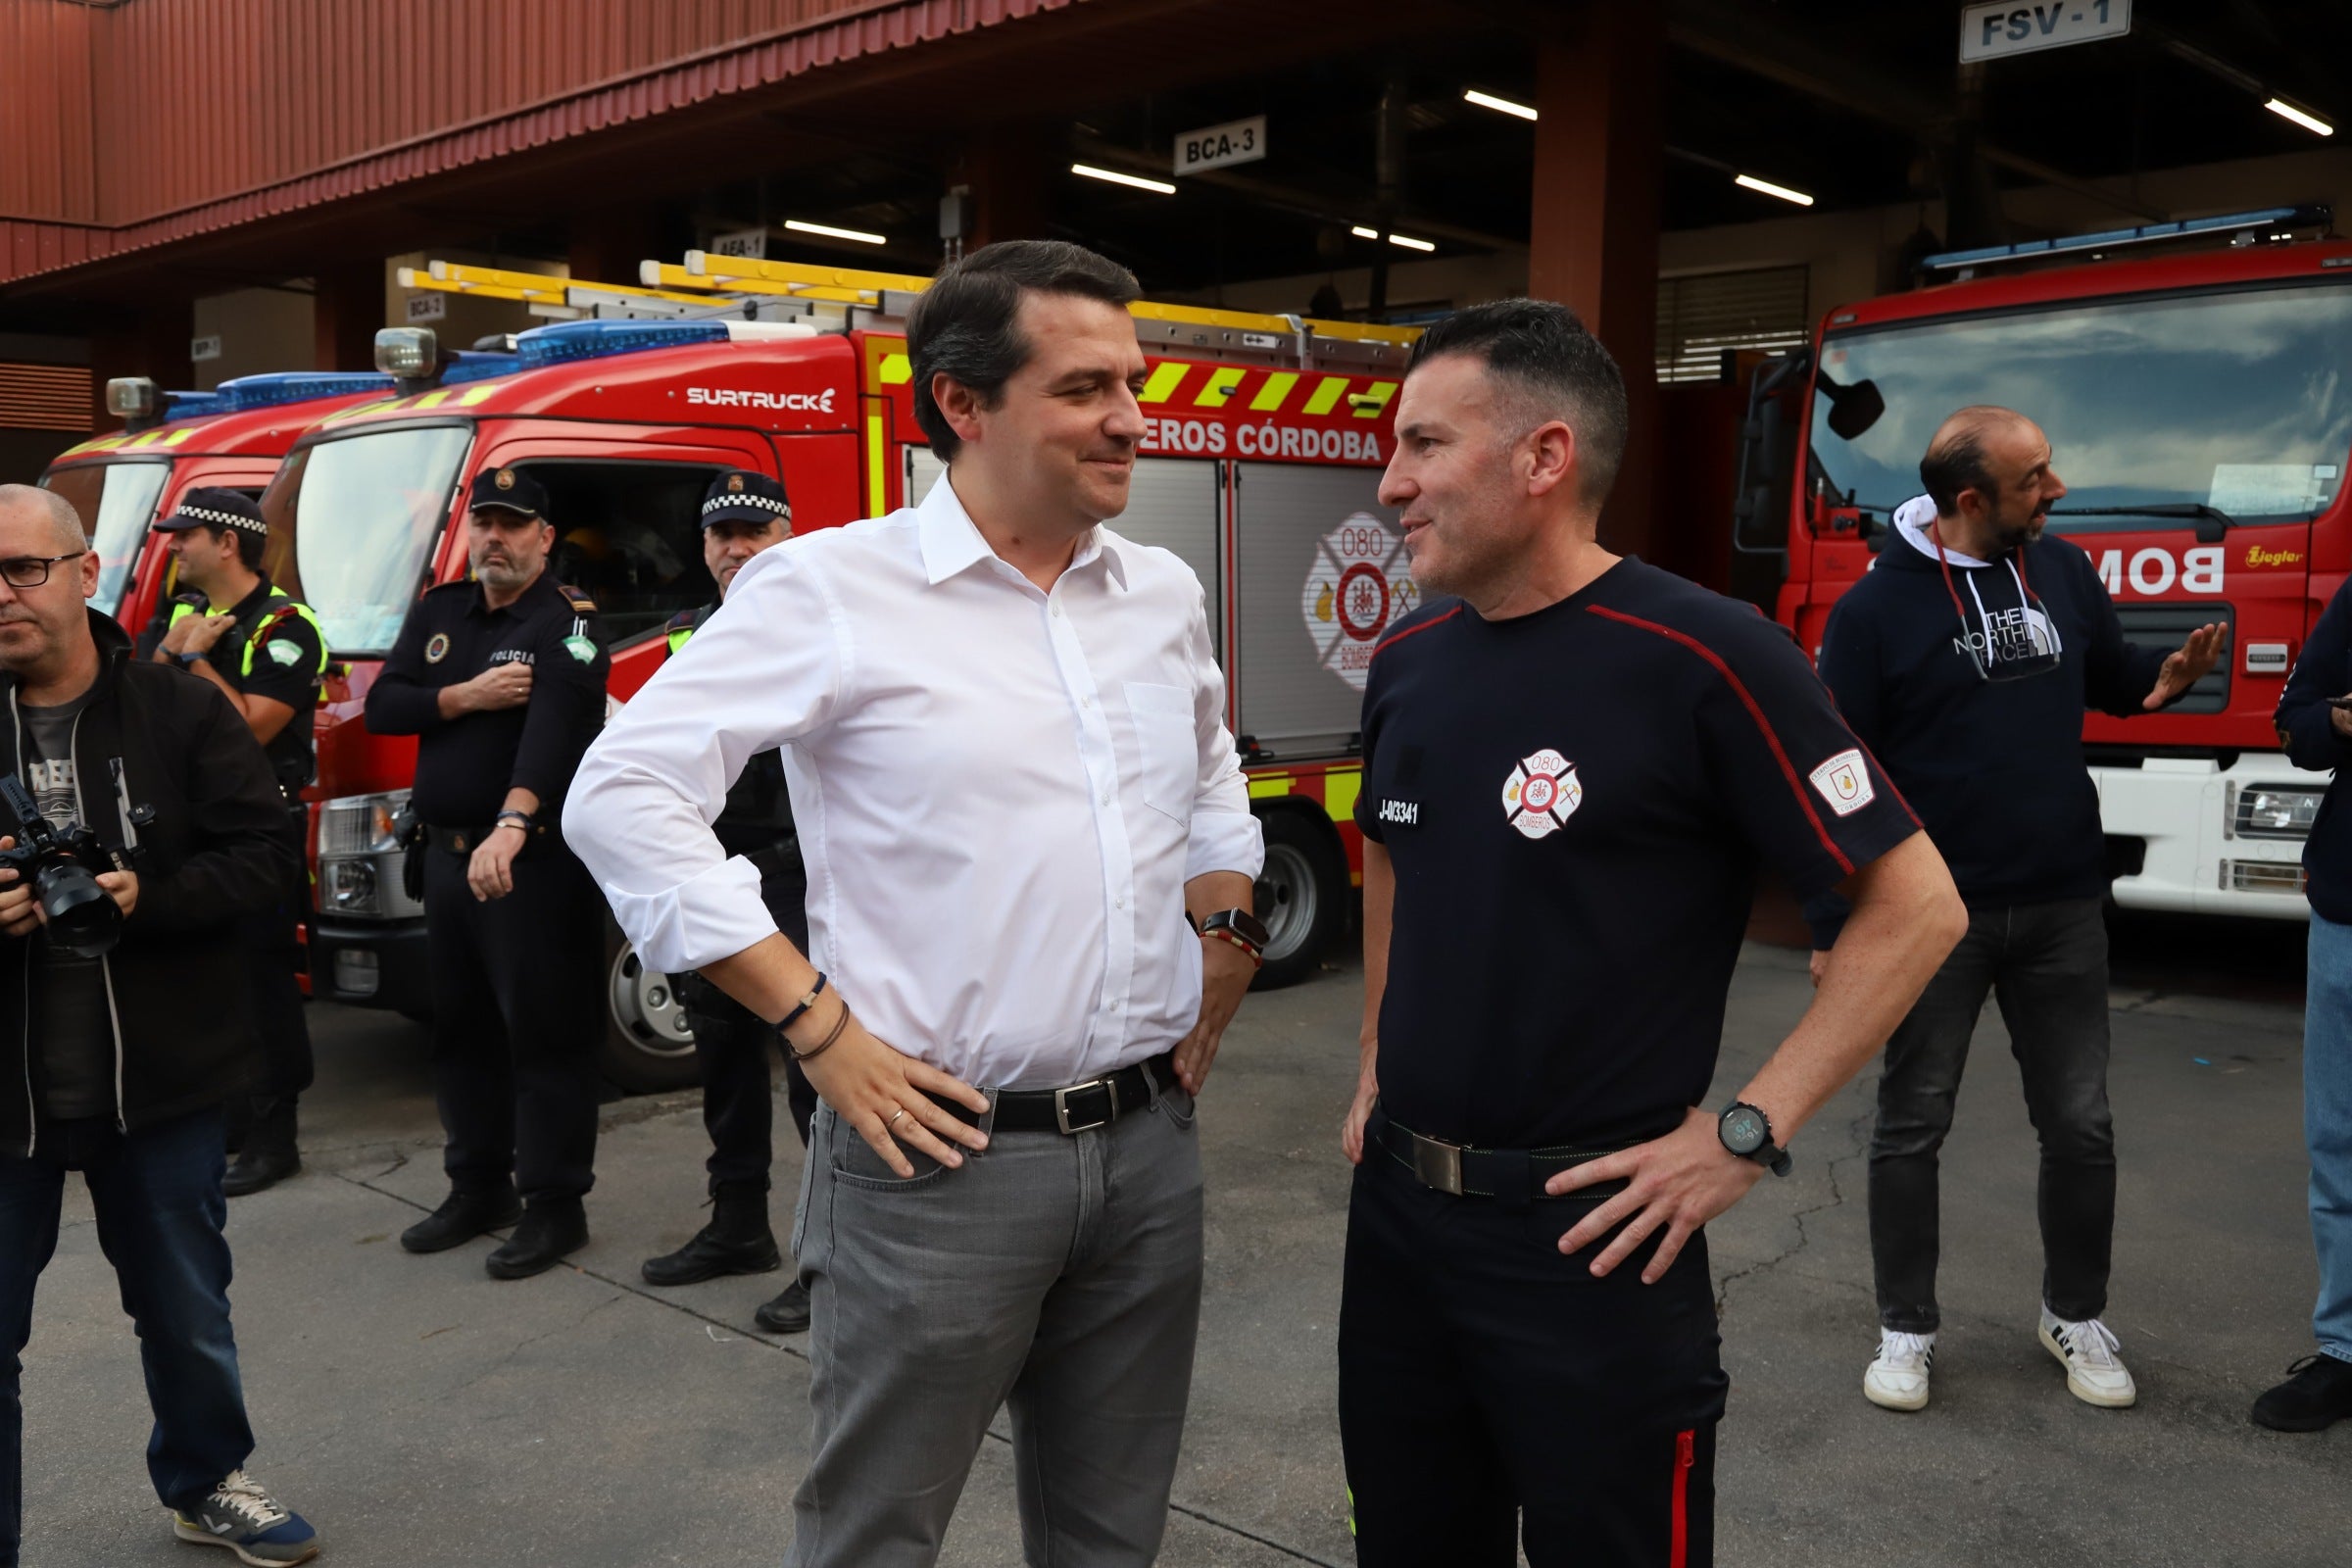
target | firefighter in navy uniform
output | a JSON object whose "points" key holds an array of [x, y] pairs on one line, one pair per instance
{"points": [[501, 680], [266, 653], [744, 514]]}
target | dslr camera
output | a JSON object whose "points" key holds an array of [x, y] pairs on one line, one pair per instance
{"points": [[63, 870]]}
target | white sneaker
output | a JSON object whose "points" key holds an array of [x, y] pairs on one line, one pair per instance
{"points": [[1898, 1378], [2094, 1372]]}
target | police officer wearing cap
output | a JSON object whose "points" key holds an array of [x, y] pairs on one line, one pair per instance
{"points": [[266, 653], [743, 514], [501, 680]]}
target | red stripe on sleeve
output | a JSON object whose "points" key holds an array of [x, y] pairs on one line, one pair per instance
{"points": [[1435, 621], [1796, 785]]}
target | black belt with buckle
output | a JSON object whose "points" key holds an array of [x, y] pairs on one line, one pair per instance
{"points": [[1080, 1107], [1467, 1172]]}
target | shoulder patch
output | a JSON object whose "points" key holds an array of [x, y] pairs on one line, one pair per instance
{"points": [[580, 603], [284, 653]]}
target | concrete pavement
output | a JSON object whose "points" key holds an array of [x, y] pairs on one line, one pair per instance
{"points": [[418, 1411]]}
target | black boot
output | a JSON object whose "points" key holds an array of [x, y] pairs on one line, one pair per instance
{"points": [[462, 1217], [737, 1241], [551, 1228], [788, 1313], [2318, 1395], [269, 1155]]}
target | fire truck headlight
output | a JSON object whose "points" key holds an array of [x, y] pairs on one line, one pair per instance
{"points": [[348, 885], [407, 352], [2278, 811], [359, 858]]}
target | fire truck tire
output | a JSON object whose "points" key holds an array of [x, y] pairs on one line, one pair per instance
{"points": [[648, 1047], [1302, 896]]}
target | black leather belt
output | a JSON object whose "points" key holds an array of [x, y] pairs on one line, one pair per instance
{"points": [[1467, 1172], [464, 839], [1080, 1107]]}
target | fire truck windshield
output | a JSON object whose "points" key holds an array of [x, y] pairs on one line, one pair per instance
{"points": [[2238, 401], [116, 502], [362, 515]]}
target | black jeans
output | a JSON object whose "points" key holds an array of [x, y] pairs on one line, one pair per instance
{"points": [[517, 1015], [2046, 964], [731, 1044]]}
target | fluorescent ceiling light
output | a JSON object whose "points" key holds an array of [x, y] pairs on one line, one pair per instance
{"points": [[1117, 178], [1770, 189], [2309, 121], [830, 232], [1487, 100], [1405, 240]]}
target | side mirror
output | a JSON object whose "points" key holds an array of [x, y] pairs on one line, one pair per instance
{"points": [[1854, 409]]}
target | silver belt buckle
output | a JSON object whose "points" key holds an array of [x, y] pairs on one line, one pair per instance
{"points": [[1061, 1106], [1438, 1164]]}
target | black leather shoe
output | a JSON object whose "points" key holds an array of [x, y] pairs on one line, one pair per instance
{"points": [[788, 1313], [737, 1241], [2317, 1396], [461, 1218], [258, 1167], [549, 1230]]}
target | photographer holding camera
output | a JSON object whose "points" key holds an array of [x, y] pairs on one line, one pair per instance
{"points": [[153, 799]]}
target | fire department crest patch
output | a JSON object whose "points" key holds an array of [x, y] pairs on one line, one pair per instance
{"points": [[1542, 793], [505, 479], [1845, 782], [437, 650]]}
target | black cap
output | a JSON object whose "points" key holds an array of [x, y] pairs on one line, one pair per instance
{"points": [[507, 490], [741, 496], [209, 507]]}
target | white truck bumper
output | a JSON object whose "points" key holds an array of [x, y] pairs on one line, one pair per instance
{"points": [[2184, 811]]}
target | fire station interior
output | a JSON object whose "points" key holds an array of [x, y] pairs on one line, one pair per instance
{"points": [[1704, 178]]}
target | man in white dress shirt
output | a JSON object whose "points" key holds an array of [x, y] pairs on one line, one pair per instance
{"points": [[1030, 859]]}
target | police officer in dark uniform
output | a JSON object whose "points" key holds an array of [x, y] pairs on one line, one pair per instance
{"points": [[743, 514], [501, 680], [266, 653], [1572, 769]]}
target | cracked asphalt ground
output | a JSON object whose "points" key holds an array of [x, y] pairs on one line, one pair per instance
{"points": [[418, 1411]]}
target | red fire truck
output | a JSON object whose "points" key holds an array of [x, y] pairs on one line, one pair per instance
{"points": [[2196, 380], [1267, 436], [174, 442]]}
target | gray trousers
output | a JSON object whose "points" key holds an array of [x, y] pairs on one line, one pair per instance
{"points": [[1061, 1275]]}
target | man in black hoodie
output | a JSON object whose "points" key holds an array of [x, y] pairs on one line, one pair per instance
{"points": [[122, 1079], [1965, 662]]}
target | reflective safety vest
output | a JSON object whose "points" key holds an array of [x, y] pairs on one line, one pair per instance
{"points": [[280, 607], [682, 625]]}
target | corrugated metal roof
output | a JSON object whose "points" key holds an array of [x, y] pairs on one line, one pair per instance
{"points": [[212, 116]]}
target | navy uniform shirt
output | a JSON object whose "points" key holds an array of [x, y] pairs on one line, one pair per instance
{"points": [[1575, 803], [465, 766], [275, 650]]}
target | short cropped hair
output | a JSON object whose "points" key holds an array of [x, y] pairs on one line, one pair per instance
{"points": [[967, 323], [1956, 460], [250, 545], [1550, 366], [64, 520]]}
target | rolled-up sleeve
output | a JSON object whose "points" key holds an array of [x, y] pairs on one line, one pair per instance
{"points": [[1225, 836], [764, 671]]}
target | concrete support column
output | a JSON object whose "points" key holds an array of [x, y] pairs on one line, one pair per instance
{"points": [[152, 341], [1006, 168], [347, 306], [1594, 236]]}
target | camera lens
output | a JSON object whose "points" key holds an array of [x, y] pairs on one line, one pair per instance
{"points": [[83, 919]]}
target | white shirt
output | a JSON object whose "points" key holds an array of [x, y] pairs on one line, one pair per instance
{"points": [[1000, 792]]}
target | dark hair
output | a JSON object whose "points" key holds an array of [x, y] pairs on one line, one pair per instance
{"points": [[250, 545], [1556, 368], [1956, 460], [966, 323]]}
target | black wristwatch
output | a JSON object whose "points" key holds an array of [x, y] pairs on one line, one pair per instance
{"points": [[1747, 1132], [1240, 927]]}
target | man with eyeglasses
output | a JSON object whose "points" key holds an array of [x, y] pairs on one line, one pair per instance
{"points": [[1965, 661], [110, 1070]]}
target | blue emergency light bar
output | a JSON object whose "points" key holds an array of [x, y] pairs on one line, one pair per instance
{"points": [[477, 365], [2278, 222], [249, 392], [564, 342], [193, 404]]}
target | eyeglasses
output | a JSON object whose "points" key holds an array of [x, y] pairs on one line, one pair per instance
{"points": [[31, 571]]}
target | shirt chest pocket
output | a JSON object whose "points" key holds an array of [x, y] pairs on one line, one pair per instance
{"points": [[1168, 759]]}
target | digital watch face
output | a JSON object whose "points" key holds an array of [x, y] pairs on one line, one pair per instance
{"points": [[1743, 1131]]}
